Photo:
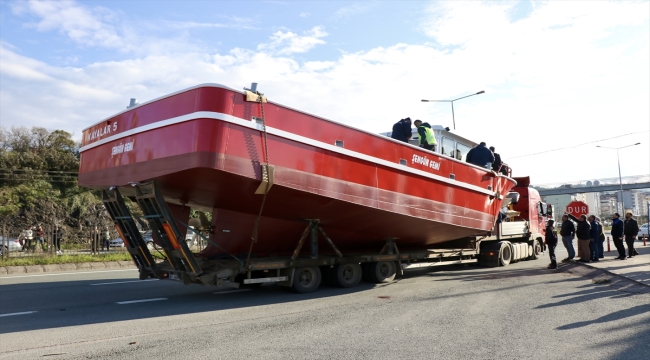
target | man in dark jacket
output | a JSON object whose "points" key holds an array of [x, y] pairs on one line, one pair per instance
{"points": [[497, 160], [402, 130], [550, 239], [583, 235], [630, 230], [480, 156], [593, 238], [617, 235], [567, 232]]}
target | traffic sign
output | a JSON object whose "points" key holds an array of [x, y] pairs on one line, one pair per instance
{"points": [[577, 208]]}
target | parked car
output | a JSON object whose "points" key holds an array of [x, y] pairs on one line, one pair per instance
{"points": [[644, 230], [118, 242], [9, 245]]}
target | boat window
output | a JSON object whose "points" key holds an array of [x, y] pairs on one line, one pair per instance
{"points": [[402, 162], [461, 151], [338, 143], [447, 147]]}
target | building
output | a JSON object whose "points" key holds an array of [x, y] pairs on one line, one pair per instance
{"points": [[559, 203], [636, 202], [608, 205], [592, 200]]}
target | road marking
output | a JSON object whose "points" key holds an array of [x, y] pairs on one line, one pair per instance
{"points": [[67, 273], [18, 313], [123, 282], [230, 291], [139, 301]]}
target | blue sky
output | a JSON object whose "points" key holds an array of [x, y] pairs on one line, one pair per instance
{"points": [[555, 73]]}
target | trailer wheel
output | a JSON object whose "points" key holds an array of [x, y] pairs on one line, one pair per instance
{"points": [[346, 275], [306, 279], [380, 272], [505, 254]]}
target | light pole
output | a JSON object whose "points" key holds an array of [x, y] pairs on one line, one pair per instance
{"points": [[452, 104], [620, 180]]}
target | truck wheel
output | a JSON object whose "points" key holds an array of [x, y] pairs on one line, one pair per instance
{"points": [[537, 250], [306, 279], [380, 272], [505, 254], [346, 275]]}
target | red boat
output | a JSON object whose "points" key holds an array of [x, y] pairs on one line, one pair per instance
{"points": [[205, 147]]}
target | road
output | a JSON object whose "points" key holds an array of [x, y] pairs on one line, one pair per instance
{"points": [[455, 312]]}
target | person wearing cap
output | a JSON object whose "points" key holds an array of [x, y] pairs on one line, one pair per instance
{"points": [[550, 239], [402, 130], [617, 235], [630, 230]]}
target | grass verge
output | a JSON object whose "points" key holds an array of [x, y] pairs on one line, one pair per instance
{"points": [[65, 259]]}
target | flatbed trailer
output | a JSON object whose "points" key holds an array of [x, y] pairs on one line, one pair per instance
{"points": [[510, 241]]}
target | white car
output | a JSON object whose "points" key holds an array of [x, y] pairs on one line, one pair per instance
{"points": [[9, 245], [644, 230], [116, 243]]}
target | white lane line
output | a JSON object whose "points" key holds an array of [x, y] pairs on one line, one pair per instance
{"points": [[18, 313], [123, 282], [230, 291], [139, 301], [67, 273]]}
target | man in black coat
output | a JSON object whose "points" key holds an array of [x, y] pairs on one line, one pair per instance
{"points": [[550, 239], [567, 232], [402, 130], [630, 230], [497, 160], [583, 234], [617, 235], [480, 156]]}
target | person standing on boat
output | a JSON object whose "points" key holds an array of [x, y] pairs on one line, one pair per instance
{"points": [[402, 130], [567, 231], [480, 156], [427, 139], [498, 165]]}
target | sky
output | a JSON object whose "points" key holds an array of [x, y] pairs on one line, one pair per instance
{"points": [[559, 77]]}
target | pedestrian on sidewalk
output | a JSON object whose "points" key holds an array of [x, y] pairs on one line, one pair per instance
{"points": [[593, 238], [568, 231], [584, 237], [40, 237], [550, 239], [106, 238], [601, 239], [630, 230], [617, 235], [57, 234]]}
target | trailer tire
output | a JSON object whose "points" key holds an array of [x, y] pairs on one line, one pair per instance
{"points": [[306, 279], [345, 275], [380, 271], [505, 254]]}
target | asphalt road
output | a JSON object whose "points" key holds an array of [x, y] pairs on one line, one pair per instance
{"points": [[457, 312]]}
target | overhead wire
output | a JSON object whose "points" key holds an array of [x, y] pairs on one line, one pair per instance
{"points": [[578, 145]]}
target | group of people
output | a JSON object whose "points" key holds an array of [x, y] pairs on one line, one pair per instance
{"points": [[35, 236], [480, 155], [591, 237]]}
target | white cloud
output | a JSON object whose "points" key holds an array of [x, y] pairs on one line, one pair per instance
{"points": [[285, 43], [82, 25], [566, 74], [304, 14], [351, 10]]}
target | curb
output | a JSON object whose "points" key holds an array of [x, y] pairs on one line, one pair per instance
{"points": [[33, 269], [610, 273]]}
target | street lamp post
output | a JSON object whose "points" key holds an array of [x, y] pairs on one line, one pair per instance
{"points": [[620, 179], [452, 104]]}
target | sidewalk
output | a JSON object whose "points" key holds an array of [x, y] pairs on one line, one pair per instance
{"points": [[636, 268]]}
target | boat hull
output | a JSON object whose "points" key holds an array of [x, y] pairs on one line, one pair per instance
{"points": [[362, 193]]}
